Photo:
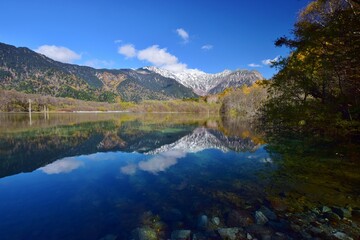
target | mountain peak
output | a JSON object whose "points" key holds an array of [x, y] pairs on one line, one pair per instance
{"points": [[204, 83]]}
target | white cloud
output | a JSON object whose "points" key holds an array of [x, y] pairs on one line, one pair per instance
{"points": [[62, 166], [207, 47], [118, 41], [97, 63], [254, 65], [161, 58], [58, 53], [128, 50], [157, 56], [270, 61], [183, 34]]}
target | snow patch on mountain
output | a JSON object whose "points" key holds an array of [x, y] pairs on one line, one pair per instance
{"points": [[204, 83]]}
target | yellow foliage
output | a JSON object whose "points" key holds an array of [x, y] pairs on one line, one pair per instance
{"points": [[246, 90], [245, 134], [301, 57]]}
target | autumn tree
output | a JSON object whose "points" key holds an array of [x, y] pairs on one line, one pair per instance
{"points": [[319, 81], [244, 102]]}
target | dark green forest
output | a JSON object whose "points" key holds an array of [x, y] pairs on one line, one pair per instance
{"points": [[317, 88]]}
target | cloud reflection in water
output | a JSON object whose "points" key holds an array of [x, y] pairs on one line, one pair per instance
{"points": [[158, 163], [65, 165]]}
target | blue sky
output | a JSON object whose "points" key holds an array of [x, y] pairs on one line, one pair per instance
{"points": [[209, 35]]}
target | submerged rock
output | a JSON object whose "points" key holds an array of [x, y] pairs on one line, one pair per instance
{"points": [[279, 204], [341, 236], [268, 213], [203, 222], [342, 212], [248, 236], [231, 233], [260, 218], [279, 236], [199, 236], [260, 231], [239, 219], [280, 225], [316, 232], [215, 221], [181, 235], [332, 217], [145, 233], [325, 209]]}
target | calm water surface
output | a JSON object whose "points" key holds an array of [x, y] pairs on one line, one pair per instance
{"points": [[100, 176]]}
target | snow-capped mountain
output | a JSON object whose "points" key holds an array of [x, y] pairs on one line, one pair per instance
{"points": [[205, 83], [202, 138]]}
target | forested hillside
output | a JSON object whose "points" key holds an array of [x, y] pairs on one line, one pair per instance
{"points": [[24, 70]]}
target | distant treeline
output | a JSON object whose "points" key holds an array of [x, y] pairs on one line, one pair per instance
{"points": [[13, 101]]}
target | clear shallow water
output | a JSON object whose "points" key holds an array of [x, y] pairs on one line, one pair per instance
{"points": [[87, 176]]}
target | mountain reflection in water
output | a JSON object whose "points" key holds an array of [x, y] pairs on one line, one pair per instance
{"points": [[118, 176]]}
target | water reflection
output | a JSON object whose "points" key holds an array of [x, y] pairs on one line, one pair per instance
{"points": [[113, 173], [161, 161], [62, 166]]}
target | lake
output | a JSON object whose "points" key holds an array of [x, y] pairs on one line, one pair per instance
{"points": [[171, 176]]}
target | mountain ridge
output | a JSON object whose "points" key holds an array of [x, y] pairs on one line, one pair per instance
{"points": [[210, 83], [24, 70]]}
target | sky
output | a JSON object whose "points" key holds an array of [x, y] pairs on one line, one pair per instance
{"points": [[207, 35]]}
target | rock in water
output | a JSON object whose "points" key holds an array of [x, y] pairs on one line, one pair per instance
{"points": [[260, 231], [325, 209], [145, 233], [342, 212], [268, 213], [181, 235], [216, 221], [342, 236], [203, 222], [229, 233], [239, 219], [260, 218]]}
